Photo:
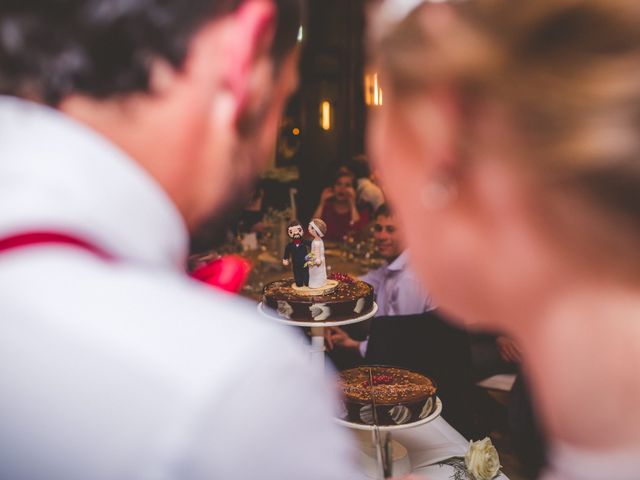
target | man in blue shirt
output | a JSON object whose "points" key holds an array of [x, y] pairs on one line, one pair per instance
{"points": [[397, 289]]}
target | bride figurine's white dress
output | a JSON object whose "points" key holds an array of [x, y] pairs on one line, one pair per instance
{"points": [[318, 273]]}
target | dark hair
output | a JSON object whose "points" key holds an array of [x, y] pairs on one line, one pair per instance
{"points": [[343, 172], [383, 211], [360, 167], [293, 223], [104, 48]]}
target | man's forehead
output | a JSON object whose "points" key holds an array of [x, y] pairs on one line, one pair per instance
{"points": [[384, 219]]}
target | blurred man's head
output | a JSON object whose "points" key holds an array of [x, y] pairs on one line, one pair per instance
{"points": [[360, 167], [191, 89], [387, 234]]}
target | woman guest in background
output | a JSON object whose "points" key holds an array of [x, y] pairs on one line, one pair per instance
{"points": [[514, 129], [318, 267], [339, 210]]}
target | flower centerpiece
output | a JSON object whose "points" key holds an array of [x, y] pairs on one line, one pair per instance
{"points": [[481, 462]]}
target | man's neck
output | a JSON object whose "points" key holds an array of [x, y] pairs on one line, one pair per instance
{"points": [[392, 258], [115, 120]]}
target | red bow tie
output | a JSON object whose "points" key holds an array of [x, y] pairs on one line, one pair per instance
{"points": [[297, 242], [227, 273]]}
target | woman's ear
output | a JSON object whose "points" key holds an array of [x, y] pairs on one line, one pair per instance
{"points": [[435, 121]]}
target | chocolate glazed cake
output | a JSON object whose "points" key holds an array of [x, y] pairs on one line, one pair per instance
{"points": [[401, 396], [348, 299]]}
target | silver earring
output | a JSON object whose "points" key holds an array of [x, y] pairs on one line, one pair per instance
{"points": [[438, 193]]}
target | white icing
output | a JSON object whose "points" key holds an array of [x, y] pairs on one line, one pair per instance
{"points": [[284, 309], [342, 411], [400, 414], [320, 311], [359, 305], [426, 410], [366, 414]]}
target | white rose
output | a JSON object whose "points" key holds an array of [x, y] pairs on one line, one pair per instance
{"points": [[482, 460]]}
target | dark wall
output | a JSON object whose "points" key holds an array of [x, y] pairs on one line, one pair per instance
{"points": [[331, 69]]}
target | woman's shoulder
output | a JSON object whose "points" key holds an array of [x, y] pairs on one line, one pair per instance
{"points": [[567, 461]]}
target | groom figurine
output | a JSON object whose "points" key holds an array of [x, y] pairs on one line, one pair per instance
{"points": [[297, 250]]}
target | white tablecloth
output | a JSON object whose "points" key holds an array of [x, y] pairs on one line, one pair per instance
{"points": [[502, 381], [432, 443]]}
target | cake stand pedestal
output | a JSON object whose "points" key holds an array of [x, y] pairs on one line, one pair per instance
{"points": [[316, 348], [400, 455]]}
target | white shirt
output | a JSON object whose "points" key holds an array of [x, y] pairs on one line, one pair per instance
{"points": [[370, 193], [130, 370], [398, 291]]}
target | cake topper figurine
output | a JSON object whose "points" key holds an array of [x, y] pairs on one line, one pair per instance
{"points": [[296, 253], [317, 264]]}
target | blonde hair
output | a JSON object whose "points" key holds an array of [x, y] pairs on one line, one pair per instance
{"points": [[567, 74]]}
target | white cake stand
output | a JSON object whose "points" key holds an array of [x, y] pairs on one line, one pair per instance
{"points": [[316, 349], [368, 455]]}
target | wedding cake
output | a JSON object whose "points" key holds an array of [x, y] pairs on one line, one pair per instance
{"points": [[345, 299], [401, 396]]}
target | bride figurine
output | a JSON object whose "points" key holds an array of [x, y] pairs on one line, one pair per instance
{"points": [[318, 266]]}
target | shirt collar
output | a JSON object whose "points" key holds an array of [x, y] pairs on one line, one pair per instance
{"points": [[399, 263], [57, 174]]}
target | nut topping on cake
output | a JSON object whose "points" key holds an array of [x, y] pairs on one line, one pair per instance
{"points": [[401, 396], [344, 301]]}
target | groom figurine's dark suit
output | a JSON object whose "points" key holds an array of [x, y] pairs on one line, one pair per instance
{"points": [[297, 250]]}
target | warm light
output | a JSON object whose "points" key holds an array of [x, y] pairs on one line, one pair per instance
{"points": [[325, 115], [372, 90], [300, 34], [296, 131], [368, 97], [376, 90]]}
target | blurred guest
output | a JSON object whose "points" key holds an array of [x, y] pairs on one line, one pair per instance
{"points": [[339, 210], [253, 213], [126, 125], [513, 129], [368, 193], [493, 354], [397, 289], [407, 331], [499, 354]]}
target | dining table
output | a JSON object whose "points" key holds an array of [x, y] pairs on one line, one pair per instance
{"points": [[428, 446]]}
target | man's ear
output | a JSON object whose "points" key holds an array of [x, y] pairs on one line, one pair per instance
{"points": [[254, 24]]}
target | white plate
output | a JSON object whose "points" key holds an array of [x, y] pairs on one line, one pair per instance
{"points": [[267, 312], [389, 428]]}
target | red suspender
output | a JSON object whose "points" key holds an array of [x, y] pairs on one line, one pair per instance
{"points": [[32, 239]]}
